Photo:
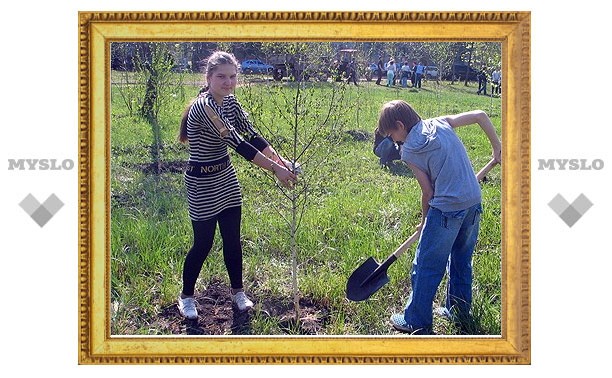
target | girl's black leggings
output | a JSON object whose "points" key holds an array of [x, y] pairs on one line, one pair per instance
{"points": [[203, 235]]}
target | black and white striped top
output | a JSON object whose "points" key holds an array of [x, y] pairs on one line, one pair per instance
{"points": [[209, 195]]}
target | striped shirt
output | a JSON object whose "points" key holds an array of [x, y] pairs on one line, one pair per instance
{"points": [[208, 195]]}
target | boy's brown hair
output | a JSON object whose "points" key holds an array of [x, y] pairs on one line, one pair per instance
{"points": [[393, 111]]}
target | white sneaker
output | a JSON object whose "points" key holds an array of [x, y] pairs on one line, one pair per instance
{"points": [[187, 307], [242, 302]]}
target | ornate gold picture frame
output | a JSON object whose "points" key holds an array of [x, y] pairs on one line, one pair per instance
{"points": [[98, 29]]}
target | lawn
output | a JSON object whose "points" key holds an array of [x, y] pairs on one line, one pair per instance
{"points": [[354, 209]]}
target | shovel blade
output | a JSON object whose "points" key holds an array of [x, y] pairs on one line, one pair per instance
{"points": [[360, 286]]}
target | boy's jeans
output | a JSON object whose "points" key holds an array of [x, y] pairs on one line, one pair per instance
{"points": [[447, 234]]}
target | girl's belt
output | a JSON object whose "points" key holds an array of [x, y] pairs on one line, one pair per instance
{"points": [[197, 169]]}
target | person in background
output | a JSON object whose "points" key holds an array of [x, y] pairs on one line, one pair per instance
{"points": [[390, 72], [351, 73], [496, 82], [396, 73], [418, 72], [381, 68], [482, 81], [451, 208], [405, 74], [214, 121], [413, 76]]}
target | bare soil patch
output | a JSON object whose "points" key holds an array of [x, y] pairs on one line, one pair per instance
{"points": [[218, 315]]}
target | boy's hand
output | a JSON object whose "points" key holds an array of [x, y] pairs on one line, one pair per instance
{"points": [[497, 155], [419, 227]]}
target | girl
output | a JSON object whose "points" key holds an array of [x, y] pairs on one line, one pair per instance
{"points": [[211, 123]]}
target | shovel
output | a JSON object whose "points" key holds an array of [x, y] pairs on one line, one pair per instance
{"points": [[371, 276]]}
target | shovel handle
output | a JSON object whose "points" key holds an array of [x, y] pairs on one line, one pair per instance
{"points": [[405, 245], [483, 172], [392, 257]]}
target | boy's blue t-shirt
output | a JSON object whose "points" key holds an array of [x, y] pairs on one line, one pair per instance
{"points": [[433, 146]]}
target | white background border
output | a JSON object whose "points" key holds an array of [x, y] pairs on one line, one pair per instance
{"points": [[39, 102]]}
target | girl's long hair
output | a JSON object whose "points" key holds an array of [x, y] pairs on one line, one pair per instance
{"points": [[182, 136]]}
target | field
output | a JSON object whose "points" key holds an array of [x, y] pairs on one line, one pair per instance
{"points": [[355, 210]]}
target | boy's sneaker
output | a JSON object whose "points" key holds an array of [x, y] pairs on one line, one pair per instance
{"points": [[187, 307], [399, 323], [242, 302]]}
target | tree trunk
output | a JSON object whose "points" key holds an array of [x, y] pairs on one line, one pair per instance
{"points": [[294, 260], [156, 145], [294, 215], [148, 112], [469, 64]]}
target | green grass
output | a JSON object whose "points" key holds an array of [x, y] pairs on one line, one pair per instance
{"points": [[358, 210]]}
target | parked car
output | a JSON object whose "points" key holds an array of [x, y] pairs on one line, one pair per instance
{"points": [[431, 72], [459, 71], [255, 66], [374, 69], [181, 67], [299, 67]]}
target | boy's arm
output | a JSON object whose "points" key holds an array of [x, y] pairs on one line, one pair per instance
{"points": [[483, 120], [426, 190]]}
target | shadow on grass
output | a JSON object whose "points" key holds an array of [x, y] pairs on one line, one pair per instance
{"points": [[398, 168]]}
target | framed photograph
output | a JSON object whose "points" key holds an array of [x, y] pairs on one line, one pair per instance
{"points": [[312, 84]]}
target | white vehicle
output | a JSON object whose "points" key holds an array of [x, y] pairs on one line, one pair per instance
{"points": [[431, 72]]}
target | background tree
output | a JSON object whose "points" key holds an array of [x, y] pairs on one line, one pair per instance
{"points": [[148, 88], [123, 78], [440, 55], [487, 54]]}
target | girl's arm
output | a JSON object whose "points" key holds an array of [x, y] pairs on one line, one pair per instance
{"points": [[245, 126], [271, 154], [483, 120], [231, 137]]}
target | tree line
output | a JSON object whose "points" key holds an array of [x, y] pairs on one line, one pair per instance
{"points": [[191, 56]]}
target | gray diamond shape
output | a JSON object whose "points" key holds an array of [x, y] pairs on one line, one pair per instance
{"points": [[41, 213], [558, 204], [53, 204], [41, 216], [29, 204], [582, 204], [570, 216]]}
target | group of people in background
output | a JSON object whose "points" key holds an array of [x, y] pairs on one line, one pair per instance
{"points": [[403, 73], [483, 78], [413, 73]]}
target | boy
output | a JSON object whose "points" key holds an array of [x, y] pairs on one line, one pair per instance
{"points": [[451, 205]]}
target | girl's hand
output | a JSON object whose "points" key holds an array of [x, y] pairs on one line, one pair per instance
{"points": [[285, 177], [293, 167]]}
